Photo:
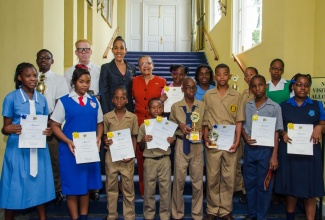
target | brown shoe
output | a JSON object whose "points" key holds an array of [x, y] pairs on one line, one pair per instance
{"points": [[209, 217], [227, 217]]}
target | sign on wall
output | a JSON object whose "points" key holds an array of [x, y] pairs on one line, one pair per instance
{"points": [[317, 90]]}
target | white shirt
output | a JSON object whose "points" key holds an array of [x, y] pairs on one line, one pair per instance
{"points": [[58, 114], [94, 74], [279, 86], [55, 88]]}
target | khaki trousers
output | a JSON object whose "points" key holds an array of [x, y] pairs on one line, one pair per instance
{"points": [[127, 172], [182, 162], [239, 180], [157, 170], [220, 168], [54, 154]]}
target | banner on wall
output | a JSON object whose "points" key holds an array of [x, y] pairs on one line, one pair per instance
{"points": [[317, 90]]}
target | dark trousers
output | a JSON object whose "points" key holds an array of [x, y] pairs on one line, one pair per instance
{"points": [[256, 167]]}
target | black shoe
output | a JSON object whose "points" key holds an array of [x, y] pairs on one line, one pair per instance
{"points": [[59, 198], [243, 199], [94, 196]]}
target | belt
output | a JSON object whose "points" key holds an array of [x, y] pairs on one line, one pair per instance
{"points": [[156, 158], [179, 137]]}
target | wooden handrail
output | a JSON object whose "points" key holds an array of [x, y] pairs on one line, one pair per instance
{"points": [[110, 43], [240, 64], [200, 19], [216, 56]]}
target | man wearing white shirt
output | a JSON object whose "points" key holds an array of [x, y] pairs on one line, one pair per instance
{"points": [[55, 88], [83, 52]]}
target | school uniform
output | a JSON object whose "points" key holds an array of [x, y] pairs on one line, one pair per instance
{"points": [[55, 88], [300, 175], [156, 167], [257, 160], [280, 92], [191, 158], [112, 123], [200, 92], [246, 96], [221, 176], [19, 189], [77, 179]]}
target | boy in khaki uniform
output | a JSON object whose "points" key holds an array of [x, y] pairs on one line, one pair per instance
{"points": [[246, 96], [223, 107], [156, 166], [187, 155], [119, 119]]}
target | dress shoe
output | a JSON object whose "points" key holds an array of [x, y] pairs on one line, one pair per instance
{"points": [[58, 198], [94, 196], [209, 217], [243, 199], [227, 217]]}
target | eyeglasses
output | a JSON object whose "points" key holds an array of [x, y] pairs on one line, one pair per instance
{"points": [[190, 88], [277, 68], [300, 85], [145, 63], [81, 50], [45, 58]]}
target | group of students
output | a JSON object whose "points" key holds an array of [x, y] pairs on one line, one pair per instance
{"points": [[297, 175]]}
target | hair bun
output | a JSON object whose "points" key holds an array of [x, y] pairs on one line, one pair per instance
{"points": [[81, 66]]}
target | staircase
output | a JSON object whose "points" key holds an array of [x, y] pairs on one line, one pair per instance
{"points": [[163, 60]]}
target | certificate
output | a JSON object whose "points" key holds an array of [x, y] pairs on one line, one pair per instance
{"points": [[122, 147], [32, 131], [300, 135], [174, 94], [263, 129], [226, 136], [149, 123], [86, 150], [160, 132]]}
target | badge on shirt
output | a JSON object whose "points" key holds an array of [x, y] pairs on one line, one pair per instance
{"points": [[93, 104], [233, 108], [311, 113]]}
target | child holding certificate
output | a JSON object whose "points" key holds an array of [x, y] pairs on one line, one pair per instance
{"points": [[299, 175], [259, 160], [188, 155], [81, 113], [223, 107], [118, 119], [156, 166], [24, 184]]}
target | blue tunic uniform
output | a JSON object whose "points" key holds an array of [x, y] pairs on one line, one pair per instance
{"points": [[78, 179], [18, 189], [300, 175]]}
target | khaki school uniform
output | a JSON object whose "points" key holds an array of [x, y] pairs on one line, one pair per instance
{"points": [[192, 161], [156, 167], [239, 181], [111, 123], [220, 164]]}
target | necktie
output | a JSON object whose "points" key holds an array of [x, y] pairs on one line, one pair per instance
{"points": [[81, 102], [186, 142]]}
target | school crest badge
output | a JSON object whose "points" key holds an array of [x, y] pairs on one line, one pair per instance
{"points": [[311, 113], [233, 108]]}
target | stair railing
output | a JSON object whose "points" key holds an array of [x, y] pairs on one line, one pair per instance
{"points": [[212, 48], [240, 64], [109, 46]]}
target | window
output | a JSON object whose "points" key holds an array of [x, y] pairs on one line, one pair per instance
{"points": [[247, 25], [215, 13]]}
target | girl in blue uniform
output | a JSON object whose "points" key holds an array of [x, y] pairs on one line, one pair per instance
{"points": [[300, 176], [81, 113], [204, 80], [18, 183]]}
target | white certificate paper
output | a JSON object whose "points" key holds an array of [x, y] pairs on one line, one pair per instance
{"points": [[122, 147], [174, 95], [148, 129], [226, 136], [86, 150], [300, 135], [32, 131], [263, 130], [160, 132]]}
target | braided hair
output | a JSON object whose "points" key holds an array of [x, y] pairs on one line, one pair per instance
{"points": [[19, 69], [295, 78]]}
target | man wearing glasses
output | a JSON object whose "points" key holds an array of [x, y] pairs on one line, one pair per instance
{"points": [[83, 52]]}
